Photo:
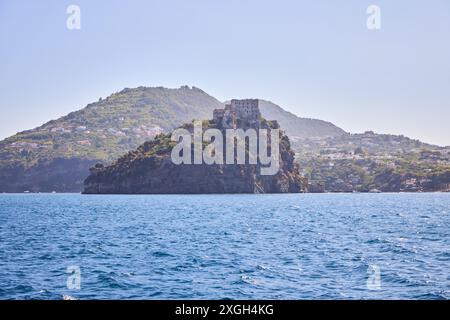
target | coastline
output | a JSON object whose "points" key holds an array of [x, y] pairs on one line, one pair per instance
{"points": [[207, 194]]}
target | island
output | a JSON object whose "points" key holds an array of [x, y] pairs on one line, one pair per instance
{"points": [[150, 169]]}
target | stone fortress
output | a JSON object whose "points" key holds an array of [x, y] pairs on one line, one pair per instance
{"points": [[240, 114]]}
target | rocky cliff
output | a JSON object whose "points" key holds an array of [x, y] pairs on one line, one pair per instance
{"points": [[150, 170]]}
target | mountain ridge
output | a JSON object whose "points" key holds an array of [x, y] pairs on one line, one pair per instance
{"points": [[56, 156]]}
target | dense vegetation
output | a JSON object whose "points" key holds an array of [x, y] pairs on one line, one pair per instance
{"points": [[369, 161], [110, 127]]}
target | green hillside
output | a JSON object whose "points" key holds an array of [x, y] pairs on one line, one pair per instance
{"points": [[108, 128], [57, 155], [370, 161]]}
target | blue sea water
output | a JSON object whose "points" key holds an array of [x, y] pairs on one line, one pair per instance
{"points": [[290, 246]]}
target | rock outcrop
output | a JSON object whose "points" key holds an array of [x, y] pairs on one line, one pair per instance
{"points": [[150, 170]]}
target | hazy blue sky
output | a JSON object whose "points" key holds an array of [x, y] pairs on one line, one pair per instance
{"points": [[314, 58]]}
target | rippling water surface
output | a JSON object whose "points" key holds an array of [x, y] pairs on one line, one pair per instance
{"points": [[302, 246]]}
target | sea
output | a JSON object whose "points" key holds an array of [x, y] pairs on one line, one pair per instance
{"points": [[262, 246]]}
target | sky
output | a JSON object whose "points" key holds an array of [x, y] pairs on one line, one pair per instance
{"points": [[316, 59]]}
